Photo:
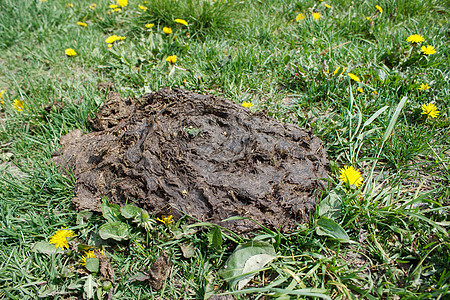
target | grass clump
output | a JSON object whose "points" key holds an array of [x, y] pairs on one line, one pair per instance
{"points": [[384, 236]]}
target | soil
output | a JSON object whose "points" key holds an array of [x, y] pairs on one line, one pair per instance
{"points": [[182, 153]]}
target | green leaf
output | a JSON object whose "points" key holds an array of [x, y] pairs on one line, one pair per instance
{"points": [[215, 237], [130, 211], [246, 261], [394, 118], [83, 216], [92, 264], [45, 247], [330, 206], [118, 231], [89, 287], [328, 227], [111, 212]]}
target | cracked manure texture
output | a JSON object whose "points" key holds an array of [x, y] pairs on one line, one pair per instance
{"points": [[178, 152]]}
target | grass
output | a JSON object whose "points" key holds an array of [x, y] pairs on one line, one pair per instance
{"points": [[252, 51]]}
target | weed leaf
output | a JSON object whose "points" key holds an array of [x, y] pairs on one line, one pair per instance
{"points": [[118, 231], [245, 262], [328, 227]]}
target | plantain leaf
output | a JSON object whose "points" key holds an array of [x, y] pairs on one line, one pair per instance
{"points": [[118, 231], [245, 262], [328, 227]]}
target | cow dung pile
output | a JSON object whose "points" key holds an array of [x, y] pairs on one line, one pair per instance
{"points": [[182, 153]]}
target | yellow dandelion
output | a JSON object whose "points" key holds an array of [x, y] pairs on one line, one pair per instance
{"points": [[144, 8], [70, 5], [92, 6], [327, 6], [354, 77], [360, 89], [88, 254], [166, 219], [117, 9], [109, 45], [171, 59], [70, 52], [430, 110], [415, 38], [167, 30], [113, 6], [300, 17], [316, 16], [149, 25], [111, 39], [121, 38], [60, 238], [350, 176], [339, 70], [82, 24], [122, 3], [247, 104], [369, 19], [2, 93], [428, 50], [424, 87], [379, 8], [181, 21]]}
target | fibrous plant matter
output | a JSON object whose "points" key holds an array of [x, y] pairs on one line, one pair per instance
{"points": [[177, 152]]}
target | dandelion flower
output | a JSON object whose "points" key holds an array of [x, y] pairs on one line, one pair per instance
{"points": [[327, 6], [117, 9], [166, 219], [70, 52], [144, 8], [247, 104], [88, 254], [181, 21], [379, 8], [354, 77], [111, 39], [369, 19], [415, 38], [428, 50], [113, 6], [360, 89], [350, 176], [60, 238], [82, 24], [109, 45], [149, 25], [430, 110], [171, 59], [92, 6], [2, 94], [121, 38], [424, 87], [167, 30], [122, 3], [339, 70], [70, 5], [316, 16], [300, 17]]}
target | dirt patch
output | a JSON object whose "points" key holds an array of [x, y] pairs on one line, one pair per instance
{"points": [[177, 152]]}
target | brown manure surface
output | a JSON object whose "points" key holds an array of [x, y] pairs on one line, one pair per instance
{"points": [[177, 152]]}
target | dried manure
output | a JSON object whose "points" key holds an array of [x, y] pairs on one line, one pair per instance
{"points": [[177, 152]]}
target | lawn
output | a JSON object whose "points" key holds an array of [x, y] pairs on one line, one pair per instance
{"points": [[370, 78]]}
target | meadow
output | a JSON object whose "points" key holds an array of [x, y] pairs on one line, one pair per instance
{"points": [[370, 78]]}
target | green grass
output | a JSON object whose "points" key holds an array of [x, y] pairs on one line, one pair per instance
{"points": [[245, 51]]}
